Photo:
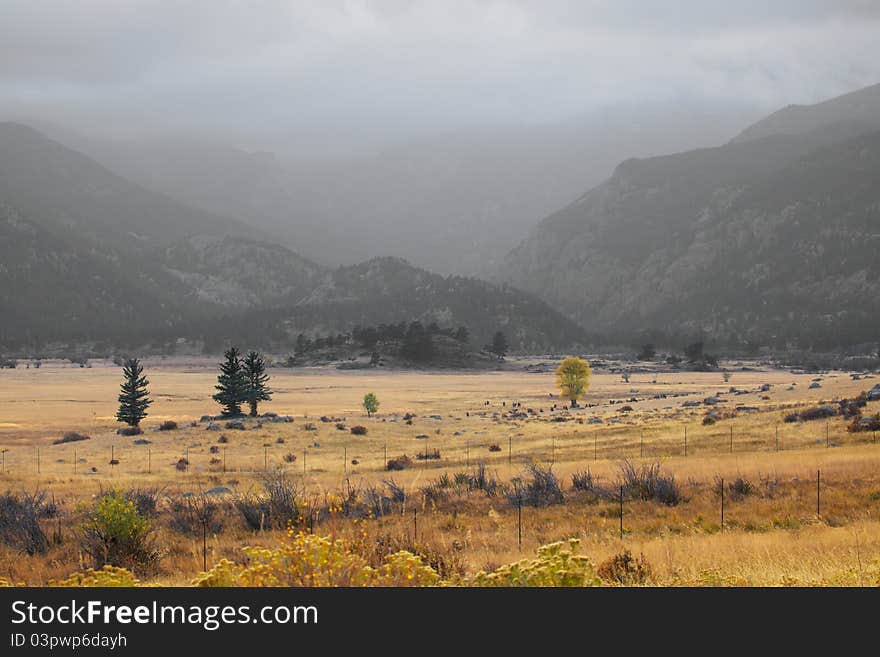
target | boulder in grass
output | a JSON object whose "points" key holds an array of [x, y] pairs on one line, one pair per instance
{"points": [[237, 425], [814, 385], [141, 441], [71, 437], [213, 427], [206, 418], [219, 490], [129, 431]]}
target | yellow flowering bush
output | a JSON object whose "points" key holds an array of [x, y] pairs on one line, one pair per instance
{"points": [[405, 569], [5, 583], [556, 564], [307, 560], [106, 576]]}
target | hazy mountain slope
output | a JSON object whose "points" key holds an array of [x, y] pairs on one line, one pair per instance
{"points": [[57, 186], [237, 272], [390, 290], [92, 257], [861, 106], [766, 239], [453, 203], [54, 286]]}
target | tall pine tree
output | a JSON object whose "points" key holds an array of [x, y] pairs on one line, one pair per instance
{"points": [[232, 384], [499, 345], [133, 394], [255, 373]]}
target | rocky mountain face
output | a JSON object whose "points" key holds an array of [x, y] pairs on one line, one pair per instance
{"points": [[772, 238]]}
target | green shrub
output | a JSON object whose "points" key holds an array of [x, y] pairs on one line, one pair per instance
{"points": [[115, 533]]}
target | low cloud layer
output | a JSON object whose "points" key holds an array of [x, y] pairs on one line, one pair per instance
{"points": [[265, 70]]}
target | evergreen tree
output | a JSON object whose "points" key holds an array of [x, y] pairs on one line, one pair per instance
{"points": [[499, 345], [417, 343], [133, 394], [232, 384], [255, 372]]}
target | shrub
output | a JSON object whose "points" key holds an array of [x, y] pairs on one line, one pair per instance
{"points": [[359, 430], [168, 425], [290, 457], [444, 562], [306, 560], [379, 502], [818, 413], [182, 464], [428, 456], [106, 576], [556, 564], [399, 463], [540, 489], [649, 483], [114, 533], [478, 479], [145, 500], [494, 448], [20, 515], [584, 481], [340, 426], [277, 506], [309, 427], [865, 424], [222, 439], [737, 488], [622, 568], [129, 431], [71, 437], [194, 514]]}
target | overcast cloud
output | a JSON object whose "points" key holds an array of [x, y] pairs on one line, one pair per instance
{"points": [[262, 69]]}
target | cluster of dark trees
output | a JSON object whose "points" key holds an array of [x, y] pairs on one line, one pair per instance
{"points": [[694, 354], [414, 340], [242, 380]]}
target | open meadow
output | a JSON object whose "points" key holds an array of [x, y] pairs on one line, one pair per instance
{"points": [[510, 468]]}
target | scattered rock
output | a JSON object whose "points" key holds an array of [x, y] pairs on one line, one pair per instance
{"points": [[142, 441], [219, 490]]}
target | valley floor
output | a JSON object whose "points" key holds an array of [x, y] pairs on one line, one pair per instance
{"points": [[772, 534]]}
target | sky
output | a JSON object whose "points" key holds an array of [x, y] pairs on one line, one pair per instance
{"points": [[259, 71]]}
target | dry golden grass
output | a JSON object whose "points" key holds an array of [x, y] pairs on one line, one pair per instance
{"points": [[767, 539]]}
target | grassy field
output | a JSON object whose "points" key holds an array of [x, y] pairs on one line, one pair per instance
{"points": [[772, 534]]}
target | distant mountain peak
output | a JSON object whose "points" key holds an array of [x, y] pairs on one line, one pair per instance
{"points": [[861, 105]]}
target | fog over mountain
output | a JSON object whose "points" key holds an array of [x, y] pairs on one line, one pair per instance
{"points": [[202, 160], [454, 203]]}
